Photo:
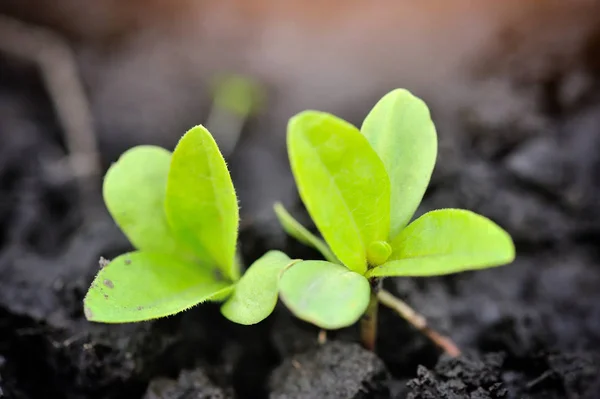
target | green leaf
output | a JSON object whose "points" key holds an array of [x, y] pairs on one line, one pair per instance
{"points": [[342, 182], [402, 133], [378, 252], [324, 293], [447, 241], [292, 227], [255, 295], [140, 286], [134, 193], [201, 204]]}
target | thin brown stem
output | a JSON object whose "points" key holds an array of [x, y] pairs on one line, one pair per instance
{"points": [[418, 321], [322, 338], [368, 323]]}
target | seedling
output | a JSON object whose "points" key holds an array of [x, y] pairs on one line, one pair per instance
{"points": [[361, 189], [236, 98], [180, 212]]}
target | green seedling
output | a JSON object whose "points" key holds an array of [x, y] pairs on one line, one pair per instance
{"points": [[180, 212], [236, 98], [361, 188]]}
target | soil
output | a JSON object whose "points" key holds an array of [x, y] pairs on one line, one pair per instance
{"points": [[528, 330]]}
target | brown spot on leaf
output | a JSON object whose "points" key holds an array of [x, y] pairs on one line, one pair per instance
{"points": [[140, 307], [218, 275], [128, 261], [105, 296], [109, 283], [88, 313]]}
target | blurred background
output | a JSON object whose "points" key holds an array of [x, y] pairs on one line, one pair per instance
{"points": [[513, 87]]}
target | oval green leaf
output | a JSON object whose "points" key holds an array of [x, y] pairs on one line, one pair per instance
{"points": [[201, 204], [255, 294], [296, 230], [447, 241], [134, 192], [141, 286], [324, 293], [342, 182], [400, 129]]}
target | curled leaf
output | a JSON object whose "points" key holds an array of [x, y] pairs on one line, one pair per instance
{"points": [[378, 252]]}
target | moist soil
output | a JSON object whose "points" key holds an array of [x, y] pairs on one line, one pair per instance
{"points": [[528, 330]]}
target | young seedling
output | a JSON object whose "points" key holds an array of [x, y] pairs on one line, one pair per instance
{"points": [[180, 212], [236, 98], [361, 189]]}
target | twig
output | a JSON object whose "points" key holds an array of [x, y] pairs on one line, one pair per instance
{"points": [[545, 375], [59, 70], [418, 321]]}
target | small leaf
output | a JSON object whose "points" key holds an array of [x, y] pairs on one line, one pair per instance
{"points": [[255, 295], [378, 252], [292, 227], [400, 129], [324, 293], [134, 192], [342, 182], [447, 241], [201, 204], [140, 286]]}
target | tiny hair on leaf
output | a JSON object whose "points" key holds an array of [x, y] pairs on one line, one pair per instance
{"points": [[255, 294], [201, 203], [141, 286]]}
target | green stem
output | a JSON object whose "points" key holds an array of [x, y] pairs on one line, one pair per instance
{"points": [[368, 323]]}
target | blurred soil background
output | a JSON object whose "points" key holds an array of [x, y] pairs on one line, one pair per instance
{"points": [[514, 89]]}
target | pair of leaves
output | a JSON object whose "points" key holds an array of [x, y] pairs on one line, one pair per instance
{"points": [[182, 204], [180, 212], [361, 188]]}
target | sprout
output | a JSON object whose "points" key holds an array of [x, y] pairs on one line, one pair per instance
{"points": [[361, 189]]}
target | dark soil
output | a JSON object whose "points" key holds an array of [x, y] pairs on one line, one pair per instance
{"points": [[528, 330], [336, 370]]}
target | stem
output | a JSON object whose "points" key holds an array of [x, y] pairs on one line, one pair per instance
{"points": [[322, 339], [418, 321], [368, 323]]}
